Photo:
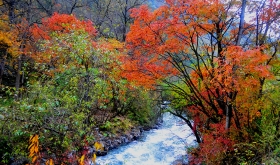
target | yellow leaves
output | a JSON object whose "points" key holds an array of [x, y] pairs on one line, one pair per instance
{"points": [[109, 44], [35, 155], [98, 146], [116, 44], [4, 25], [94, 158], [34, 147], [9, 37], [82, 160], [5, 40], [50, 162]]}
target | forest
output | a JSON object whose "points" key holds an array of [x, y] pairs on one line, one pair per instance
{"points": [[73, 69]]}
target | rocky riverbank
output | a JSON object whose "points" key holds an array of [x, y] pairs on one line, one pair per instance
{"points": [[163, 146], [111, 141]]}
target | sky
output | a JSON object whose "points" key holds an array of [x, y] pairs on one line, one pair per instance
{"points": [[155, 3]]}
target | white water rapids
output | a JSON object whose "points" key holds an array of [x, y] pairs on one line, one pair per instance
{"points": [[160, 146]]}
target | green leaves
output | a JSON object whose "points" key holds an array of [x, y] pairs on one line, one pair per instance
{"points": [[75, 87]]}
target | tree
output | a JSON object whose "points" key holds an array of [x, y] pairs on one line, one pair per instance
{"points": [[112, 18], [204, 52], [67, 47], [17, 32], [6, 41], [77, 86]]}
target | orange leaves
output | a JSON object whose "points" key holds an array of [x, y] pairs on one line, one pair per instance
{"points": [[193, 41], [146, 72], [249, 66], [133, 73], [192, 31], [142, 12], [236, 70], [170, 30]]}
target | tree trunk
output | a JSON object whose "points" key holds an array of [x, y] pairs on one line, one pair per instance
{"points": [[241, 24], [189, 123], [18, 76], [229, 99], [2, 68], [11, 7], [228, 114]]}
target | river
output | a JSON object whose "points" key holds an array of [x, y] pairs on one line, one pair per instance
{"points": [[160, 146]]}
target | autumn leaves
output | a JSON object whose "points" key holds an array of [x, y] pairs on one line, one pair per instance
{"points": [[196, 43], [219, 77]]}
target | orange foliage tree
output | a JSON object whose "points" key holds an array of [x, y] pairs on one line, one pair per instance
{"points": [[66, 42], [60, 25], [206, 53], [83, 72]]}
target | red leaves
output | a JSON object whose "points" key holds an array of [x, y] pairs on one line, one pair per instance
{"points": [[215, 145], [53, 39], [66, 23], [212, 150], [194, 41], [39, 33], [62, 23]]}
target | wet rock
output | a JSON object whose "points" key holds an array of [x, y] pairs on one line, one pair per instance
{"points": [[155, 127], [101, 153], [136, 133], [130, 137], [19, 161], [111, 141], [183, 160]]}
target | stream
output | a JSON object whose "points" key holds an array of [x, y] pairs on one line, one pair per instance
{"points": [[160, 146]]}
